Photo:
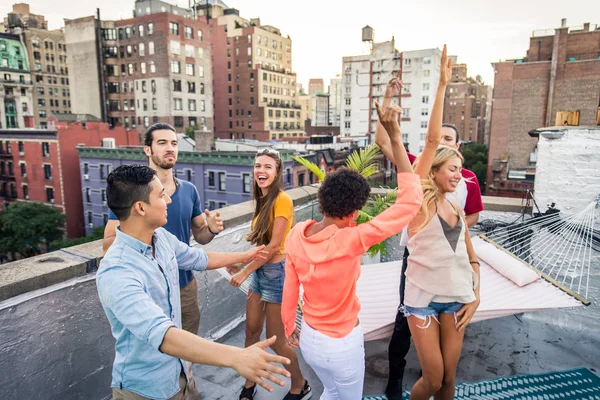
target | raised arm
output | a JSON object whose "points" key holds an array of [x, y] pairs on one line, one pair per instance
{"points": [[388, 118], [434, 129], [382, 139]]}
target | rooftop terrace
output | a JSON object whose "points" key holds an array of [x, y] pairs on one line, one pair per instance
{"points": [[56, 341]]}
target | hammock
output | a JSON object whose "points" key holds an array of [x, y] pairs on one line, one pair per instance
{"points": [[537, 264]]}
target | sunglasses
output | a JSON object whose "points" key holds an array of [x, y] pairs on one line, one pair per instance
{"points": [[268, 151]]}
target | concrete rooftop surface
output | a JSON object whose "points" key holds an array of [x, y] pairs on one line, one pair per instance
{"points": [[56, 343]]}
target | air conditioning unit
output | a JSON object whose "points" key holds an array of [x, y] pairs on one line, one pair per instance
{"points": [[91, 225], [86, 177], [104, 203], [24, 176], [109, 143], [21, 153], [51, 201], [27, 197]]}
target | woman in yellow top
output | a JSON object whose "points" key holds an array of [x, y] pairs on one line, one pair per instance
{"points": [[273, 219]]}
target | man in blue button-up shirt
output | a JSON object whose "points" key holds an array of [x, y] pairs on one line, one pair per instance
{"points": [[138, 285]]}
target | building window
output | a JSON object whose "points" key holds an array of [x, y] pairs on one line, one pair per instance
{"points": [[188, 32], [174, 28], [178, 121], [150, 28], [425, 100], [426, 86], [141, 30], [246, 179], [347, 125], [102, 172], [202, 105], [47, 171], [23, 170], [222, 178], [175, 67], [426, 73], [191, 87], [26, 192], [150, 48], [178, 104], [45, 149], [104, 196], [424, 124], [142, 48], [199, 35], [176, 85], [348, 101], [189, 175], [211, 179], [88, 195], [189, 69], [90, 218], [50, 195], [191, 105], [201, 71], [21, 149], [424, 112]]}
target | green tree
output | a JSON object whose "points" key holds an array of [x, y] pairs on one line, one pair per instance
{"points": [[191, 129], [28, 228], [97, 234], [476, 157]]}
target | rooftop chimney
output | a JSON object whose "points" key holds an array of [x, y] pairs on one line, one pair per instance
{"points": [[586, 27], [563, 23]]}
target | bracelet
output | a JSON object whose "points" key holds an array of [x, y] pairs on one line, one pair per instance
{"points": [[214, 234], [475, 262]]}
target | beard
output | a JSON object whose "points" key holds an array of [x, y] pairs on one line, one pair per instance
{"points": [[162, 163]]}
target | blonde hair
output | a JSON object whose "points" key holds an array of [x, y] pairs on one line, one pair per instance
{"points": [[430, 189]]}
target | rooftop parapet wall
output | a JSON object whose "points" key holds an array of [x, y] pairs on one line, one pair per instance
{"points": [[48, 269]]}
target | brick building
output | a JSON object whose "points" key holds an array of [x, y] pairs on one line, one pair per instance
{"points": [[42, 165], [557, 83], [254, 86], [222, 178], [466, 105], [47, 54], [156, 67]]}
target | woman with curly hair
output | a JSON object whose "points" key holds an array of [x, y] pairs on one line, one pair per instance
{"points": [[325, 258], [273, 219]]}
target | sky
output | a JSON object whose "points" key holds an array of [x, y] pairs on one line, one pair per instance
{"points": [[479, 32]]}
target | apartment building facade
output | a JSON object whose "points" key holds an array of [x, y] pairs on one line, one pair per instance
{"points": [[364, 80], [41, 165], [557, 83], [466, 105], [47, 55], [222, 178], [155, 67], [16, 104], [255, 88]]}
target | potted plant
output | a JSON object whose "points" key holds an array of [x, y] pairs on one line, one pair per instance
{"points": [[363, 162]]}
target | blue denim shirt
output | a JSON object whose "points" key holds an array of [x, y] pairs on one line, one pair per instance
{"points": [[140, 296]]}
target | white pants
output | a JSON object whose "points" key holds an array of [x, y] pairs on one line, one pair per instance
{"points": [[338, 362]]}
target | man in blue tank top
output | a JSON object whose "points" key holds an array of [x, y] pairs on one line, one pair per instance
{"points": [[184, 214]]}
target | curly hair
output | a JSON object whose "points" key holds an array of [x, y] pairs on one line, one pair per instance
{"points": [[342, 193]]}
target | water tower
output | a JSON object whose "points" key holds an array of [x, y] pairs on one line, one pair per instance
{"points": [[368, 35]]}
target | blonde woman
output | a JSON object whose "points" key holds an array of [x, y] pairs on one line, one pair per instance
{"points": [[442, 291]]}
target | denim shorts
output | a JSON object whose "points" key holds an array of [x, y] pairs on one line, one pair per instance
{"points": [[267, 282], [433, 309]]}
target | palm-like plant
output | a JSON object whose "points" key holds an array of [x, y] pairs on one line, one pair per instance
{"points": [[363, 162]]}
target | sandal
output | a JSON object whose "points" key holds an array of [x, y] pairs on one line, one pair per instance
{"points": [[248, 393]]}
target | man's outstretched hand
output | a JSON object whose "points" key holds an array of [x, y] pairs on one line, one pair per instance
{"points": [[256, 365]]}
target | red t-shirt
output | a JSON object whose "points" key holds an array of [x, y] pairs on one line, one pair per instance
{"points": [[474, 203]]}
